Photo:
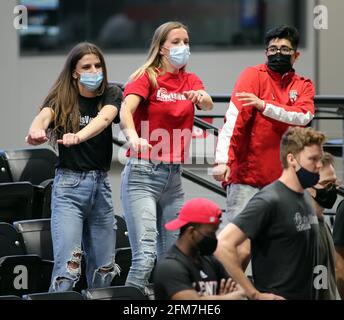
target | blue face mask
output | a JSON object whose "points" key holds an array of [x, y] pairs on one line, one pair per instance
{"points": [[179, 56], [91, 81]]}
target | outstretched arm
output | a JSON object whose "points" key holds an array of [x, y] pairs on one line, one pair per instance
{"points": [[37, 132], [299, 114], [97, 125]]}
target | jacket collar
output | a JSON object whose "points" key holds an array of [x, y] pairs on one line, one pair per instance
{"points": [[284, 79]]}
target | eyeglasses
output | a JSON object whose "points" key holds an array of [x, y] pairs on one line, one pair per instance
{"points": [[328, 184], [284, 50]]}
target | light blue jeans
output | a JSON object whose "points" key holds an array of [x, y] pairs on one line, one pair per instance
{"points": [[151, 195], [82, 213], [238, 195]]}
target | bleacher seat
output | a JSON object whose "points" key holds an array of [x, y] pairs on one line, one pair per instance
{"points": [[11, 242], [10, 297], [33, 164], [66, 295], [22, 274], [123, 252], [114, 293], [37, 237], [42, 200], [5, 173], [16, 201], [122, 239]]}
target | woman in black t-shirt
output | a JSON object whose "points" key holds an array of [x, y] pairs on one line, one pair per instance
{"points": [[77, 115]]}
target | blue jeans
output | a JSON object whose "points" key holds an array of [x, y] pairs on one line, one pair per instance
{"points": [[151, 195], [82, 213], [238, 195]]}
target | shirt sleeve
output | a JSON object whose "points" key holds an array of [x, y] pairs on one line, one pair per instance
{"points": [[236, 118], [197, 83], [140, 86], [113, 96], [171, 277], [338, 227], [299, 114], [255, 216]]}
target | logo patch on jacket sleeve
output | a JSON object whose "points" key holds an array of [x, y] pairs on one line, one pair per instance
{"points": [[293, 95]]}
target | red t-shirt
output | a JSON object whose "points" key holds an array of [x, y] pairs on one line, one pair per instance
{"points": [[164, 117]]}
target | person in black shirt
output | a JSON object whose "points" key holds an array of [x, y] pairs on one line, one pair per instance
{"points": [[281, 223], [77, 115], [324, 195], [189, 270], [338, 239]]}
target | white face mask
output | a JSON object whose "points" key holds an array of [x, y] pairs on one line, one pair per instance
{"points": [[179, 56]]}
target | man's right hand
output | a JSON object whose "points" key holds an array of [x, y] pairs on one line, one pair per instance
{"points": [[221, 172], [36, 137]]}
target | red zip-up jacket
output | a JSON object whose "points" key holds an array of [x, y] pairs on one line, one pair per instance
{"points": [[249, 141]]}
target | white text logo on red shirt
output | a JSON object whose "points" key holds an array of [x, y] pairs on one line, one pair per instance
{"points": [[165, 96]]}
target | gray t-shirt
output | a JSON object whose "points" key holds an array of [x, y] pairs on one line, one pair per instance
{"points": [[283, 229]]}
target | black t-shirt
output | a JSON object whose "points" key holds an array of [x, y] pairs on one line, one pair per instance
{"points": [[338, 227], [177, 272], [283, 229], [95, 153], [326, 260]]}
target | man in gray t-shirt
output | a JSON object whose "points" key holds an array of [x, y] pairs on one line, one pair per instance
{"points": [[281, 223]]}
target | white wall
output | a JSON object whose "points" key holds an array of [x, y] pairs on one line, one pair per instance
{"points": [[331, 65]]}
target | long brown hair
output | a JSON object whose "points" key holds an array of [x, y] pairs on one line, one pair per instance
{"points": [[154, 58], [63, 96]]}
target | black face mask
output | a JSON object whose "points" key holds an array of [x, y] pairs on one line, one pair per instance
{"points": [[326, 198], [207, 245], [307, 178], [280, 63]]}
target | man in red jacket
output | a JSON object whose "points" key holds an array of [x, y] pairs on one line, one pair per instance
{"points": [[266, 100]]}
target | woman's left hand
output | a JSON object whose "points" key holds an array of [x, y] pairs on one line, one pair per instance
{"points": [[69, 139]]}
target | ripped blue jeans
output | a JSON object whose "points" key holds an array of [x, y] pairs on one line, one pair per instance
{"points": [[151, 195], [82, 226]]}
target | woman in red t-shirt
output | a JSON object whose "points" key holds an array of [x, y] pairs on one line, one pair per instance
{"points": [[157, 116]]}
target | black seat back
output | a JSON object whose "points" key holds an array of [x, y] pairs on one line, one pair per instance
{"points": [[122, 239], [11, 242], [20, 274], [34, 165], [16, 200], [5, 173], [37, 237]]}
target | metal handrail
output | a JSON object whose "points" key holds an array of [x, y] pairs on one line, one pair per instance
{"points": [[318, 99], [187, 174], [218, 98]]}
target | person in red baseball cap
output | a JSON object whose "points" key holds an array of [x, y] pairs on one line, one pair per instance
{"points": [[189, 270]]}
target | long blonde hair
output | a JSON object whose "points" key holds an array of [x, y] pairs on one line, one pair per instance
{"points": [[63, 96], [154, 58]]}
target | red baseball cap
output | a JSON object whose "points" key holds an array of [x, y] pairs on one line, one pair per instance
{"points": [[197, 210]]}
